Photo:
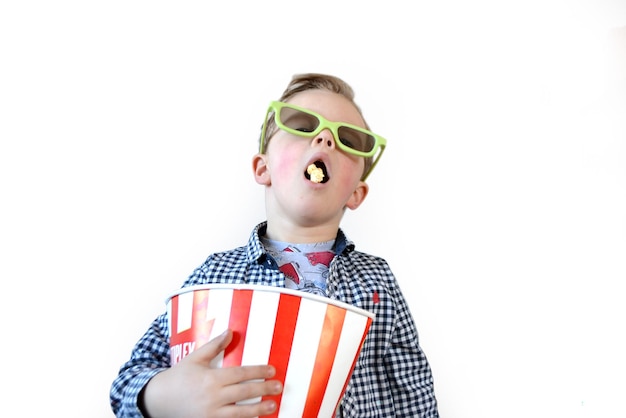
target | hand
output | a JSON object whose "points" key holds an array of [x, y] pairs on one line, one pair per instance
{"points": [[192, 388]]}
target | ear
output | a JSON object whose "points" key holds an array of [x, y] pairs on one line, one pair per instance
{"points": [[358, 195], [260, 169]]}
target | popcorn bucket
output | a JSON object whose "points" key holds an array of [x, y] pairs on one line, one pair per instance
{"points": [[312, 341]]}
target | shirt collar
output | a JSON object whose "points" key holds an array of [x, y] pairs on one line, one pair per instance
{"points": [[256, 252]]}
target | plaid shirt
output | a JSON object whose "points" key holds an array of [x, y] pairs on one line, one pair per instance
{"points": [[392, 377]]}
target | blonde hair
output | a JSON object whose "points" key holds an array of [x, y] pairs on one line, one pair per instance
{"points": [[316, 81]]}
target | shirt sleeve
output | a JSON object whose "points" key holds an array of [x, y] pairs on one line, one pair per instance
{"points": [[151, 354], [149, 357], [408, 370]]}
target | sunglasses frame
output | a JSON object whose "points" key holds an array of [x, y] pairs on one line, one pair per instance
{"points": [[276, 106]]}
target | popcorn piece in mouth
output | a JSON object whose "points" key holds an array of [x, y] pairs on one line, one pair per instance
{"points": [[316, 173]]}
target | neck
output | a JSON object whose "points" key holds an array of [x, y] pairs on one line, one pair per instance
{"points": [[280, 230]]}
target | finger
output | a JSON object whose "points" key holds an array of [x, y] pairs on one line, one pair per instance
{"points": [[257, 409], [238, 374], [250, 391], [210, 350]]}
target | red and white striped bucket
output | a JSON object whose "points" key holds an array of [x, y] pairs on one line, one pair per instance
{"points": [[312, 341]]}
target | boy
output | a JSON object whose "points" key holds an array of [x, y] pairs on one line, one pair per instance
{"points": [[316, 151]]}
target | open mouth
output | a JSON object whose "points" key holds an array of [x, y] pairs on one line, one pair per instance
{"points": [[316, 172]]}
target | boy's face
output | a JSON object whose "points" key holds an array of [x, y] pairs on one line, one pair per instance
{"points": [[294, 193]]}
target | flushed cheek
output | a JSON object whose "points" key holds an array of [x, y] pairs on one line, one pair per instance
{"points": [[348, 177], [286, 166], [352, 167]]}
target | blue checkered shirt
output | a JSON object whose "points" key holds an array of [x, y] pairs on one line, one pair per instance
{"points": [[392, 377]]}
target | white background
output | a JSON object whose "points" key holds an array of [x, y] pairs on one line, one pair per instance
{"points": [[127, 132]]}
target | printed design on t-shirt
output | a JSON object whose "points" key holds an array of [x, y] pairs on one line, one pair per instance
{"points": [[320, 257], [290, 270], [305, 270]]}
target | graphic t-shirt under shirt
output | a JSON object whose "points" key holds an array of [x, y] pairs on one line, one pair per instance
{"points": [[305, 266]]}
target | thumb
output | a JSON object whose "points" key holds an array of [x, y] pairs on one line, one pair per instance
{"points": [[210, 350]]}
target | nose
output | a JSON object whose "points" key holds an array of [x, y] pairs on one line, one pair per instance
{"points": [[324, 138]]}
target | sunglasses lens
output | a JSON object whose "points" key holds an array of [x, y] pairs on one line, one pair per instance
{"points": [[356, 140], [296, 120]]}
